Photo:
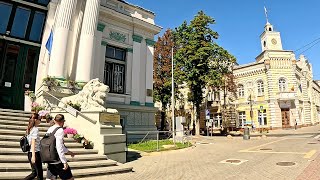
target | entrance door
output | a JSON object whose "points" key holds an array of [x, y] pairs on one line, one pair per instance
{"points": [[285, 114], [18, 65]]}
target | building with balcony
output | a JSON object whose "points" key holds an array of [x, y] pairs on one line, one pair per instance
{"points": [[277, 90]]}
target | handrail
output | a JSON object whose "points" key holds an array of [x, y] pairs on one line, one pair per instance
{"points": [[78, 112]]}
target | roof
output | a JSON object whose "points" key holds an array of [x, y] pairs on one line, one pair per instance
{"points": [[247, 65], [123, 1]]}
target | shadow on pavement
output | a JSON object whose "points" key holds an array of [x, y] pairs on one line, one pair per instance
{"points": [[132, 156]]}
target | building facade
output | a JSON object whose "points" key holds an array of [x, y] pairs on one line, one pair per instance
{"points": [[81, 40], [277, 90], [21, 29]]}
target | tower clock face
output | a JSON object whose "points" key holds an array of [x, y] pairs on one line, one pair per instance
{"points": [[274, 41]]}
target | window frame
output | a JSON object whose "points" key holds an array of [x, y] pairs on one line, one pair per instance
{"points": [[113, 62], [282, 83], [262, 115], [33, 10], [242, 119], [240, 90], [260, 88]]}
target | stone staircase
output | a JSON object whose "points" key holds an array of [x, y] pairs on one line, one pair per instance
{"points": [[14, 163]]}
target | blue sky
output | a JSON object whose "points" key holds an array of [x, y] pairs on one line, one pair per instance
{"points": [[240, 23]]}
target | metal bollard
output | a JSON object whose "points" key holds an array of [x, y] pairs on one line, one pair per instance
{"points": [[246, 134]]}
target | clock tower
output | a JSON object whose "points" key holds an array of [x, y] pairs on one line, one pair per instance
{"points": [[270, 39]]}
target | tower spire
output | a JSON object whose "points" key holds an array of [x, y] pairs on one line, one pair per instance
{"points": [[266, 13]]}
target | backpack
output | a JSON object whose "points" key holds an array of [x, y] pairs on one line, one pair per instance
{"points": [[24, 144], [48, 151]]}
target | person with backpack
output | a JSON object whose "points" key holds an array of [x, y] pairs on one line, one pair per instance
{"points": [[34, 152], [57, 162]]}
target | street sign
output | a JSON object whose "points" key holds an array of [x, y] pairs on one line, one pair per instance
{"points": [[207, 114]]}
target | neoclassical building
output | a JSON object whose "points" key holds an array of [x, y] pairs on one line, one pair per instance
{"points": [[277, 90], [76, 41]]}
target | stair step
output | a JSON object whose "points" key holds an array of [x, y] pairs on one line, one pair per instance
{"points": [[21, 123], [16, 151], [16, 138], [11, 144], [77, 173], [17, 132], [16, 167], [15, 111], [23, 128], [23, 158], [14, 118], [15, 114]]}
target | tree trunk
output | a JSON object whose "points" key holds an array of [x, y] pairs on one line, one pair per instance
{"points": [[197, 120], [163, 120]]}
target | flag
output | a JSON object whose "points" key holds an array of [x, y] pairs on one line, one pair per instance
{"points": [[49, 43], [300, 87]]}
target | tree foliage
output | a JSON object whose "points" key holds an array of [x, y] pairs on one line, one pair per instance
{"points": [[199, 62], [162, 72]]}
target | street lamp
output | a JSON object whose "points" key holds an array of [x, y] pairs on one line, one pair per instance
{"points": [[172, 96]]}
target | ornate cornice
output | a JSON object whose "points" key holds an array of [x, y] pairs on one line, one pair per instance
{"points": [[150, 42], [137, 38], [100, 27]]}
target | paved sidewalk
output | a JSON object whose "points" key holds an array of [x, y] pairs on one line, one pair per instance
{"points": [[312, 171], [283, 132]]}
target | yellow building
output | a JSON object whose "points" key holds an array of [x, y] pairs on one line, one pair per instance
{"points": [[277, 90]]}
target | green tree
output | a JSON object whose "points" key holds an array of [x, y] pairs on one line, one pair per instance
{"points": [[194, 50], [162, 72]]}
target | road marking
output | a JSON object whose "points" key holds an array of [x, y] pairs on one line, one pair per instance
{"points": [[317, 137], [256, 147], [275, 152], [309, 154]]}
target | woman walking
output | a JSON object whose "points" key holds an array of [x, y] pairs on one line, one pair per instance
{"points": [[34, 153]]}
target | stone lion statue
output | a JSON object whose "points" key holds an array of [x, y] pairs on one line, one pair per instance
{"points": [[91, 97]]}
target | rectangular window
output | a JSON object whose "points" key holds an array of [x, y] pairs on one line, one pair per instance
{"points": [[5, 11], [242, 119], [217, 120], [37, 26], [20, 22], [262, 117], [114, 71]]}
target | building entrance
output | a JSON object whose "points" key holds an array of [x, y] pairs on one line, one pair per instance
{"points": [[285, 114], [18, 67]]}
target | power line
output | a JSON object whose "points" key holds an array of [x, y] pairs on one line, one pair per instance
{"points": [[310, 47], [307, 45]]}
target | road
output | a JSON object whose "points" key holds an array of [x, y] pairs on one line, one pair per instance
{"points": [[257, 158]]}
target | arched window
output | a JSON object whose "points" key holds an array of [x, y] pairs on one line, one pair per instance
{"points": [[282, 85], [260, 88], [241, 90]]}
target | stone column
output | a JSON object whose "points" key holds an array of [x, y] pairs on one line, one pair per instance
{"points": [[102, 60], [43, 64], [98, 57], [129, 70], [136, 70], [60, 38], [149, 73], [87, 40]]}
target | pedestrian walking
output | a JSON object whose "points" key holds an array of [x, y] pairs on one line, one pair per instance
{"points": [[295, 124], [34, 152], [60, 167]]}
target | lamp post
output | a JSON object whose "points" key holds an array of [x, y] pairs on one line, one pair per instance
{"points": [[172, 96]]}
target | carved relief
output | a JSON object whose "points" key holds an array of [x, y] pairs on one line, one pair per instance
{"points": [[117, 36]]}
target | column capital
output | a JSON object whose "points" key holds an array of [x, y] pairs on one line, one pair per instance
{"points": [[150, 42], [137, 38], [104, 43], [101, 27], [130, 50]]}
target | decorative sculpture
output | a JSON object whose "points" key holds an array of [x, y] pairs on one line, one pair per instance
{"points": [[91, 97]]}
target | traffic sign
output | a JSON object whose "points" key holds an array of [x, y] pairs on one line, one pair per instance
{"points": [[207, 114]]}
